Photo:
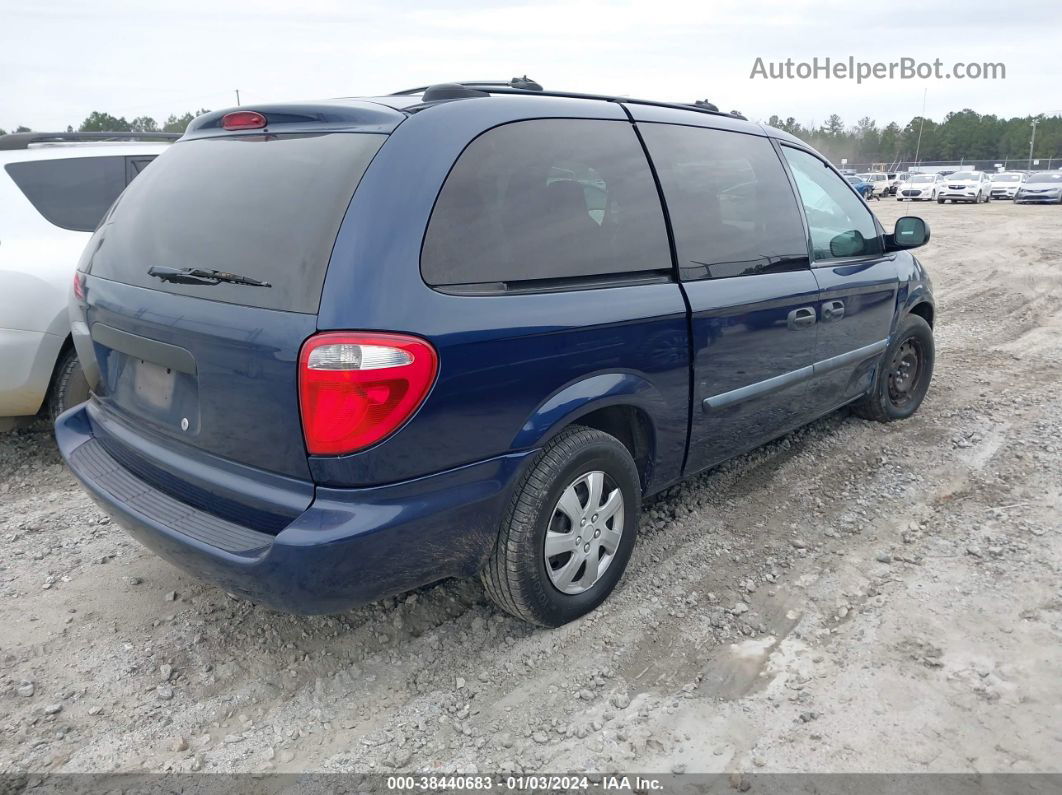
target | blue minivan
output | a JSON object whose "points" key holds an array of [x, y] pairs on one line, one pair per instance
{"points": [[343, 349]]}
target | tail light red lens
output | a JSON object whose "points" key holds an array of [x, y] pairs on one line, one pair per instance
{"points": [[243, 120], [357, 388], [79, 286]]}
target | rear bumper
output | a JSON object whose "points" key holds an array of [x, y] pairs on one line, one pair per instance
{"points": [[28, 359], [349, 547]]}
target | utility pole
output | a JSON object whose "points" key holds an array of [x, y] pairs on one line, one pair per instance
{"points": [[1032, 141], [237, 97], [921, 124]]}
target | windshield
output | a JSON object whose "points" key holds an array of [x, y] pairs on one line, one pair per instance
{"points": [[1050, 179], [922, 178], [965, 175], [265, 207], [1006, 178], [855, 180]]}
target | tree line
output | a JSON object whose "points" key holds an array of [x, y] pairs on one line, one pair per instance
{"points": [[99, 121], [962, 135]]}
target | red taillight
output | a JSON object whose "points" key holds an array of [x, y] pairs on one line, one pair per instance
{"points": [[79, 286], [356, 388], [243, 120]]}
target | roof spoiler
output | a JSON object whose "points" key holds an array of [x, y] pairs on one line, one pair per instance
{"points": [[23, 140]]}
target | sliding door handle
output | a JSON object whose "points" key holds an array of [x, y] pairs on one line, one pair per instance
{"points": [[804, 317], [832, 310]]}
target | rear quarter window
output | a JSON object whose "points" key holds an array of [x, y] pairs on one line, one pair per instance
{"points": [[549, 199], [72, 193]]}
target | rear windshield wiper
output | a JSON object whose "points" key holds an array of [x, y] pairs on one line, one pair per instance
{"points": [[202, 276]]}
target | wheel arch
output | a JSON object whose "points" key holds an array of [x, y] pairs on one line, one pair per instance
{"points": [[623, 404], [925, 310]]}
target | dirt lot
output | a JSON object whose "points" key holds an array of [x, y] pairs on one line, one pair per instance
{"points": [[853, 597]]}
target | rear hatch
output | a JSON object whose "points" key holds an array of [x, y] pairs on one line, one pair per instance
{"points": [[191, 367]]}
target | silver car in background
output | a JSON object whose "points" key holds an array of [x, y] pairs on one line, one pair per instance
{"points": [[1041, 187], [1006, 183]]}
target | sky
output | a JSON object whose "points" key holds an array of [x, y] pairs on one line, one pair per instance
{"points": [[63, 59]]}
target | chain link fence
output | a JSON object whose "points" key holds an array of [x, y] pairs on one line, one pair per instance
{"points": [[998, 164]]}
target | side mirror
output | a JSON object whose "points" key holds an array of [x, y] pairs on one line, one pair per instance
{"points": [[848, 244], [910, 232]]}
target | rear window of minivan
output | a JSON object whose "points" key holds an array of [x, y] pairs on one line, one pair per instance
{"points": [[267, 207]]}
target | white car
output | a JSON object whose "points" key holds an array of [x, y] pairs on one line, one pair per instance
{"points": [[1006, 183], [965, 186], [54, 189], [920, 187]]}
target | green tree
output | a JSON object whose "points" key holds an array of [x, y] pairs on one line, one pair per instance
{"points": [[104, 122], [144, 124], [179, 123], [833, 127]]}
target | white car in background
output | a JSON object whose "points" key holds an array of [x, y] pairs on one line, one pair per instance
{"points": [[920, 187], [1005, 184], [965, 186], [54, 189]]}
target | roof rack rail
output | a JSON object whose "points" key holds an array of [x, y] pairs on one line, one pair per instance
{"points": [[23, 140], [524, 85]]}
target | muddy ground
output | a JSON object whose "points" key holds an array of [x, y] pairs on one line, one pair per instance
{"points": [[852, 597]]}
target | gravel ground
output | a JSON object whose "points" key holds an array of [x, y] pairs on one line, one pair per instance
{"points": [[852, 597]]}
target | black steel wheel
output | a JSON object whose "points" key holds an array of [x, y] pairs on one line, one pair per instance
{"points": [[903, 375]]}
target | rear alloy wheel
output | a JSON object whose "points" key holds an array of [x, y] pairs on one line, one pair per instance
{"points": [[903, 376], [584, 533], [569, 531]]}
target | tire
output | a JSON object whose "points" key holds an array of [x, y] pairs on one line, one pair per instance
{"points": [[516, 575], [897, 392], [69, 386], [940, 201]]}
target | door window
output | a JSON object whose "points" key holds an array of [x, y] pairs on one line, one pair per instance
{"points": [[840, 223], [732, 209]]}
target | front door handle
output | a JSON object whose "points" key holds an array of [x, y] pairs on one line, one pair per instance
{"points": [[832, 310], [803, 317]]}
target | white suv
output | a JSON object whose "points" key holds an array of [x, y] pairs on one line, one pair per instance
{"points": [[54, 189], [884, 182], [965, 186]]}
